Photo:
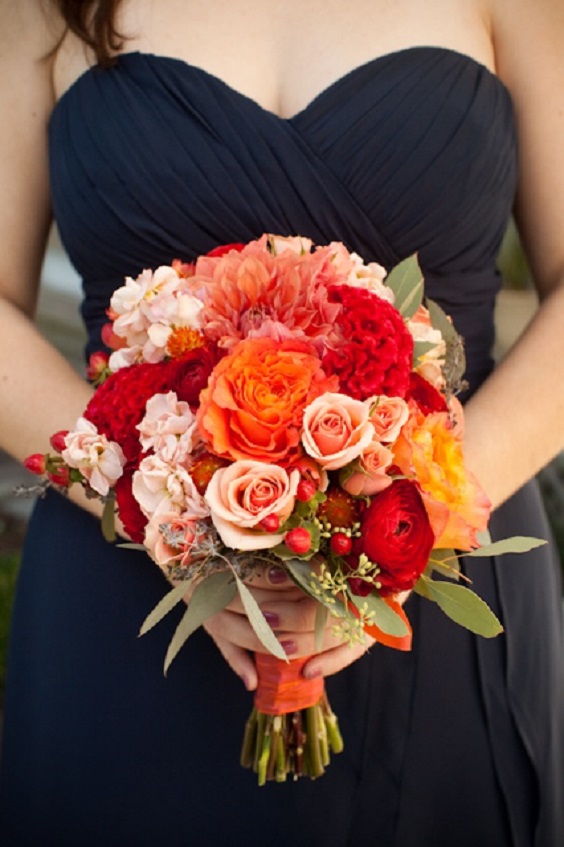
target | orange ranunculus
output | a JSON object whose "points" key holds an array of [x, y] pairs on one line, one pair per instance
{"points": [[430, 449], [253, 405]]}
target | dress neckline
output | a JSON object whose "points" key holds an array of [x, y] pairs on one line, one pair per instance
{"points": [[122, 59]]}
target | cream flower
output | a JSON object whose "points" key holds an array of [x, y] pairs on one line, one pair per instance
{"points": [[100, 461]]}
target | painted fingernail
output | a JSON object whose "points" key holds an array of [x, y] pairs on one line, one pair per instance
{"points": [[272, 619], [276, 575], [311, 673], [289, 647]]}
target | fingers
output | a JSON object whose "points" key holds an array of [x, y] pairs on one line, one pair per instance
{"points": [[334, 660]]}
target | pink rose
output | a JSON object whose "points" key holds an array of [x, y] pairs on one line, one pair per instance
{"points": [[241, 495], [387, 416], [99, 460], [371, 476], [336, 429], [170, 537]]}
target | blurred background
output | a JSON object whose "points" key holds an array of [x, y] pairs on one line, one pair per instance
{"points": [[58, 319]]}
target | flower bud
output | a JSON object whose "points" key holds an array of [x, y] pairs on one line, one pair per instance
{"points": [[36, 463], [306, 490], [270, 523], [298, 540], [57, 440], [60, 476], [340, 544]]}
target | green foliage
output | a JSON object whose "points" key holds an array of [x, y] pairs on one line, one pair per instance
{"points": [[406, 281]]}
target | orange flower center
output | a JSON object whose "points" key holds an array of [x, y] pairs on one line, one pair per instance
{"points": [[181, 340]]}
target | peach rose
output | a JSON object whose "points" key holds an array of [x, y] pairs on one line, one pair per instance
{"points": [[336, 430], [430, 449], [182, 528], [387, 416], [242, 494], [371, 476], [255, 399]]}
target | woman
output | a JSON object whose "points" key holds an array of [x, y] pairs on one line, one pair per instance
{"points": [[209, 128]]}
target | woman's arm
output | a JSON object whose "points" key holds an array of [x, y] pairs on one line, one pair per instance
{"points": [[39, 392], [515, 423]]}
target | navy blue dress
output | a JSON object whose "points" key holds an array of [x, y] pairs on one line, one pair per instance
{"points": [[458, 742]]}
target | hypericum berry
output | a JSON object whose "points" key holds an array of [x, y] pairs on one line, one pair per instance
{"points": [[36, 463], [298, 540], [306, 490], [270, 523], [340, 544], [60, 476], [57, 440]]}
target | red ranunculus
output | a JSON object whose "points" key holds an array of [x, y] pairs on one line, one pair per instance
{"points": [[189, 374], [396, 535], [375, 354], [425, 395]]}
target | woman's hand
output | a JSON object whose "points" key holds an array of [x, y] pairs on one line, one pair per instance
{"points": [[291, 614]]}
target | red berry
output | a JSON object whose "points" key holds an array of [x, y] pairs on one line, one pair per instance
{"points": [[306, 490], [60, 476], [340, 544], [298, 540], [36, 463], [270, 523], [57, 440]]}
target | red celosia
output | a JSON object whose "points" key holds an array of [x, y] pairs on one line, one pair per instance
{"points": [[376, 351]]}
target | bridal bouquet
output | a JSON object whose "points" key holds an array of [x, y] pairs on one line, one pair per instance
{"points": [[278, 404]]}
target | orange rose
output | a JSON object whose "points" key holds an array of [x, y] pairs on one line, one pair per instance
{"points": [[430, 449], [255, 399]]}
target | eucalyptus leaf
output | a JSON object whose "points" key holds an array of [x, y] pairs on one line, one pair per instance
{"points": [[420, 348], [210, 596], [484, 537], [445, 562], [129, 545], [406, 281], [258, 622], [164, 606], [455, 360], [108, 520], [385, 618], [321, 615], [464, 607], [515, 544]]}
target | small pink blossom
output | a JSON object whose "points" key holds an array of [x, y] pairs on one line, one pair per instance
{"points": [[387, 416], [241, 495], [168, 428], [100, 461], [371, 476], [336, 429]]}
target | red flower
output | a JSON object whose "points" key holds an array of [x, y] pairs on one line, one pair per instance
{"points": [[130, 514], [119, 403], [189, 374], [396, 535], [425, 395], [376, 353]]}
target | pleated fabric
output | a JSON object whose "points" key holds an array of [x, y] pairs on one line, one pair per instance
{"points": [[459, 742]]}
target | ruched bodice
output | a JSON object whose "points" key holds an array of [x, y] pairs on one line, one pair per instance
{"points": [[414, 150], [455, 743]]}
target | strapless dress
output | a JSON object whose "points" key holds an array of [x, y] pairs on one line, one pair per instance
{"points": [[456, 744]]}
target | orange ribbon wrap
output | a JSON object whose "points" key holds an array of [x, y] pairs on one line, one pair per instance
{"points": [[282, 688], [397, 642]]}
